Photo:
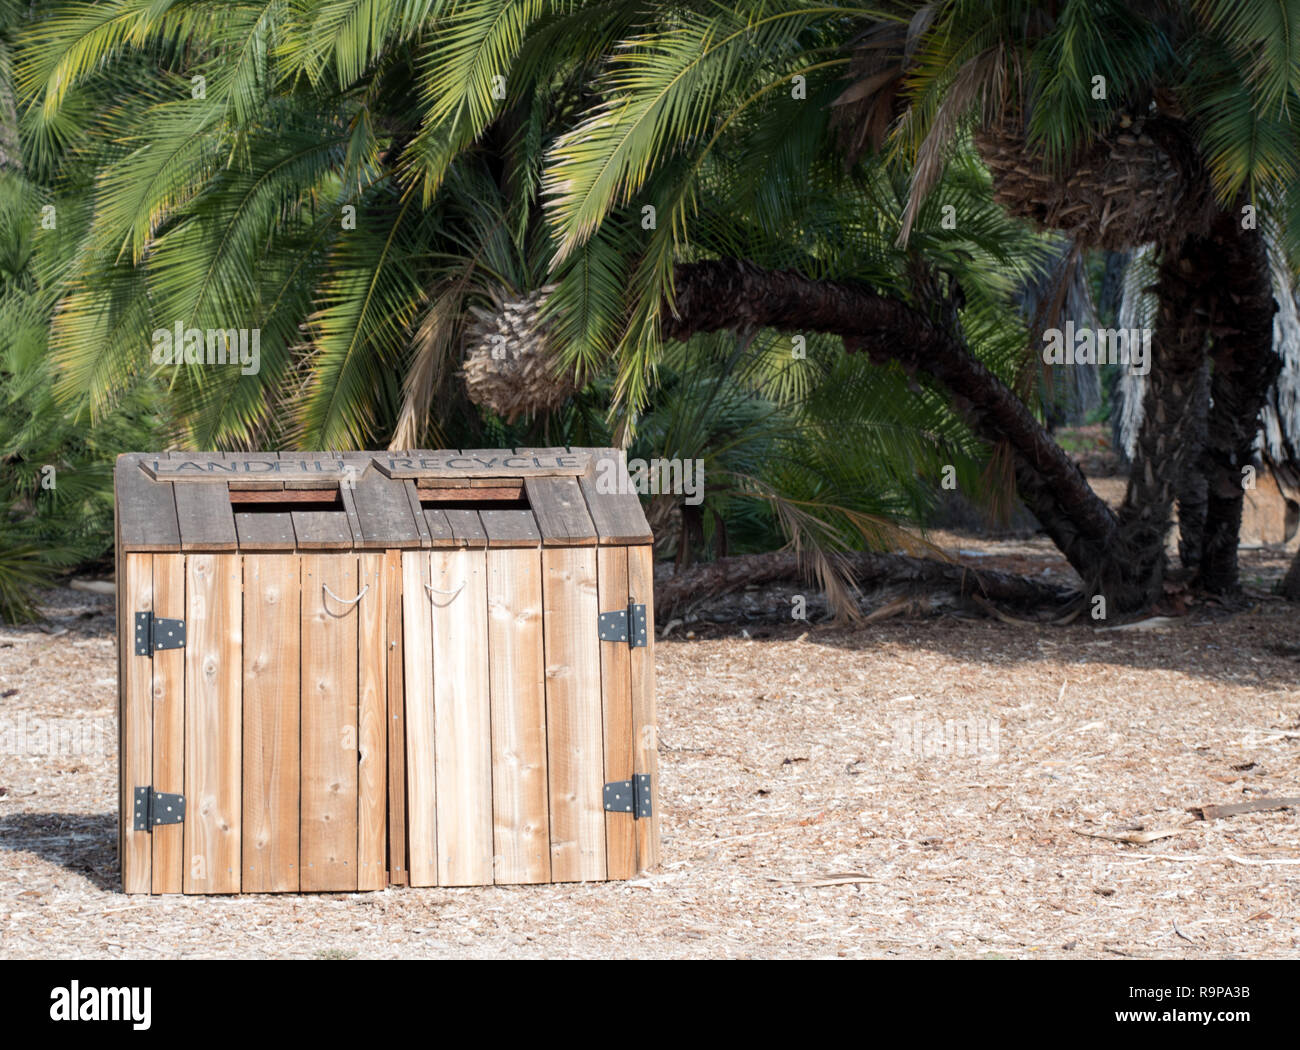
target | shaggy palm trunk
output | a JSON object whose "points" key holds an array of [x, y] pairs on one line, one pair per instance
{"points": [[1168, 414], [728, 294], [1245, 367], [1290, 588], [1193, 490]]}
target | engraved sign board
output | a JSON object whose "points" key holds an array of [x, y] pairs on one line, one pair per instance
{"points": [[504, 464], [309, 467]]}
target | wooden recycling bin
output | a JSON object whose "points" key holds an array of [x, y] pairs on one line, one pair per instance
{"points": [[345, 671]]}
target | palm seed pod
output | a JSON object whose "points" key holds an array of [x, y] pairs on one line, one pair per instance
{"points": [[1122, 191], [510, 364]]}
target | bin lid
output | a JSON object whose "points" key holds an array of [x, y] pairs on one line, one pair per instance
{"points": [[268, 501]]}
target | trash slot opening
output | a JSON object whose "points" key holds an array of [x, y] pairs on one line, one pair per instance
{"points": [[285, 501], [503, 494]]}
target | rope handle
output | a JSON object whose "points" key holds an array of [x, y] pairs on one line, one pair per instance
{"points": [[345, 601], [448, 594]]}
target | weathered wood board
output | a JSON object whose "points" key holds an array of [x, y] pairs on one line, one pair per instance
{"points": [[392, 672]]}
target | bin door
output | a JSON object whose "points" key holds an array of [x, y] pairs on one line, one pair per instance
{"points": [[269, 722], [505, 761]]}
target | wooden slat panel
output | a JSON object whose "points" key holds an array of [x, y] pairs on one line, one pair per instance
{"points": [[169, 723], [384, 512], [561, 511], [417, 513], [640, 580], [614, 506], [272, 661], [421, 781], [146, 509], [521, 821], [350, 509], [204, 513], [137, 726], [510, 528], [575, 748], [265, 532], [372, 771], [213, 736], [466, 527], [396, 722], [322, 529], [616, 701], [328, 845], [125, 638], [463, 737], [440, 534]]}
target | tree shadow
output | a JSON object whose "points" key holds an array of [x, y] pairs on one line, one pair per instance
{"points": [[1259, 649], [84, 843]]}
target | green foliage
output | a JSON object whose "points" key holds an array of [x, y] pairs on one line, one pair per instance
{"points": [[495, 147]]}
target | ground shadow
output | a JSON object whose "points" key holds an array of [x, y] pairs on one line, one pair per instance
{"points": [[84, 843], [1259, 648]]}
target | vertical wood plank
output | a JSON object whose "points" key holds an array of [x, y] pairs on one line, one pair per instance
{"points": [[421, 778], [396, 721], [641, 586], [169, 724], [125, 638], [517, 681], [136, 729], [616, 702], [463, 727], [328, 845], [372, 769], [575, 746], [271, 777], [213, 672]]}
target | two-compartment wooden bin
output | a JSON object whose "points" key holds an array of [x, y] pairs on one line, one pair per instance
{"points": [[345, 671]]}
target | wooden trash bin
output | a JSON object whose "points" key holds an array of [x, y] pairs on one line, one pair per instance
{"points": [[344, 671]]}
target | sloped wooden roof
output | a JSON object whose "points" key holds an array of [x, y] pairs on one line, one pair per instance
{"points": [[267, 501]]}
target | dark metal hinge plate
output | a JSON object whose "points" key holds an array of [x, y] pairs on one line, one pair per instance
{"points": [[637, 626], [155, 808], [630, 796], [156, 632], [625, 625], [613, 626]]}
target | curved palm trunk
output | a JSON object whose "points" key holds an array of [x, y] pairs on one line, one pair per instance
{"points": [[726, 294]]}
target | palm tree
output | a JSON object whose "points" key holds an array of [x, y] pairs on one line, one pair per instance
{"points": [[492, 148], [1191, 127], [234, 209]]}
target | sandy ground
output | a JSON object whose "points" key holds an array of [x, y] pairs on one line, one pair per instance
{"points": [[937, 787]]}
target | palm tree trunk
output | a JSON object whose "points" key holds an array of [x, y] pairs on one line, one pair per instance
{"points": [[1193, 491], [731, 294], [1245, 367], [1290, 588], [1169, 409]]}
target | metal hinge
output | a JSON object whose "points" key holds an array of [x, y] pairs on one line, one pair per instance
{"points": [[613, 626], [153, 808], [154, 632], [629, 796]]}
